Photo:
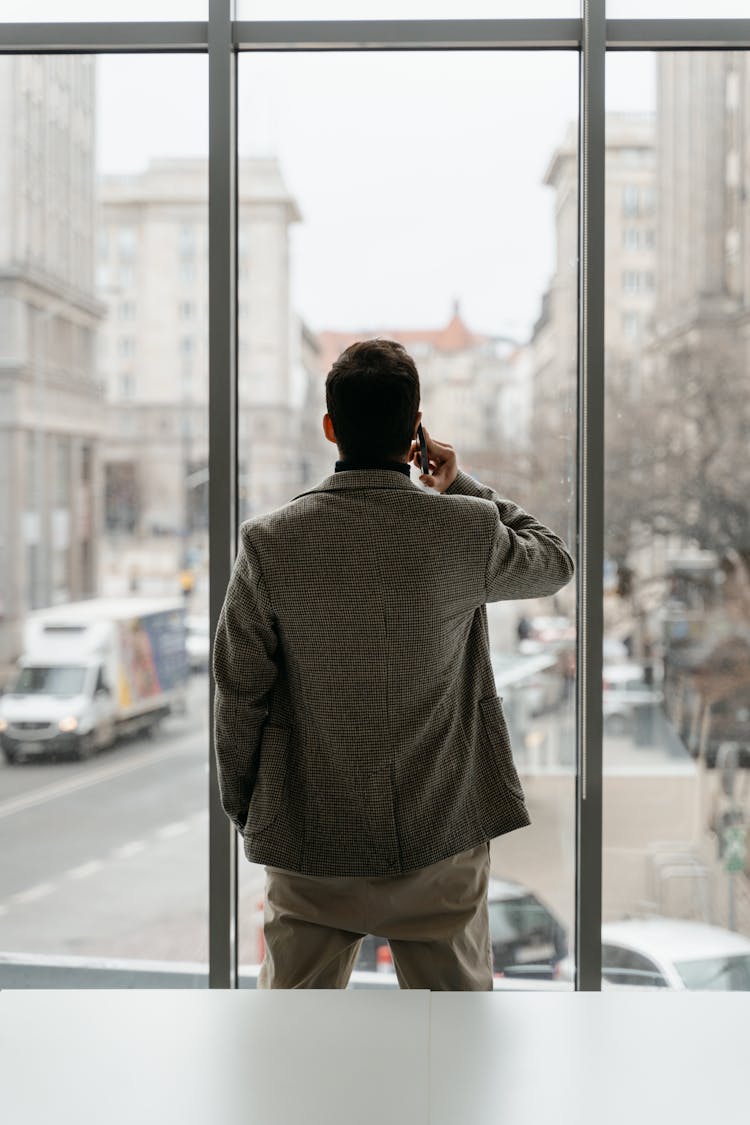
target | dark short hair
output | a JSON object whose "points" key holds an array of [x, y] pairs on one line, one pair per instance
{"points": [[372, 396]]}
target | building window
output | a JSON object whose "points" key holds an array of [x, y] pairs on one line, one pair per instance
{"points": [[186, 242], [126, 310], [631, 325], [126, 347], [631, 238], [630, 201], [187, 310], [127, 384], [85, 464], [631, 281], [62, 472], [126, 244]]}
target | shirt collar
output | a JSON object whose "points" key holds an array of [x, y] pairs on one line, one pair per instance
{"points": [[352, 464]]}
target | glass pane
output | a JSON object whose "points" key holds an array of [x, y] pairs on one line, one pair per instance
{"points": [[676, 692], [67, 11], [103, 566], [407, 10], [436, 206], [676, 9]]}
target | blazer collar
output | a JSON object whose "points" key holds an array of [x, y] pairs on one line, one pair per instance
{"points": [[361, 479]]}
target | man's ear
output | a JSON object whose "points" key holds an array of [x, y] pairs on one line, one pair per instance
{"points": [[416, 424], [328, 428]]}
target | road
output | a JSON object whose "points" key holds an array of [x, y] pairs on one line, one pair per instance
{"points": [[109, 857]]}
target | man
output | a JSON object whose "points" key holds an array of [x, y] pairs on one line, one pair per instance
{"points": [[361, 747]]}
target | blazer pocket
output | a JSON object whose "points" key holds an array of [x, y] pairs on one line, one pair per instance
{"points": [[268, 792], [496, 730]]}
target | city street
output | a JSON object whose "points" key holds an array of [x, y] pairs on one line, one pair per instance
{"points": [[110, 855]]}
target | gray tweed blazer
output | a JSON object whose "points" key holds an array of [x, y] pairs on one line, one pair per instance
{"points": [[356, 723]]}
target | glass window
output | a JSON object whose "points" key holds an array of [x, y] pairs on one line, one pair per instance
{"points": [[730, 973], [63, 680], [626, 967], [405, 9], [676, 686], [126, 244], [631, 281], [630, 200], [631, 238], [38, 11], [127, 384], [98, 518], [676, 9], [415, 228]]}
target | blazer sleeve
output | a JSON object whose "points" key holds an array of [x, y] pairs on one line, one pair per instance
{"points": [[245, 670], [526, 559]]}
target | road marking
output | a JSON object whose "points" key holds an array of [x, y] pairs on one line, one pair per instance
{"points": [[41, 890], [128, 850], [73, 785], [171, 830], [84, 870]]}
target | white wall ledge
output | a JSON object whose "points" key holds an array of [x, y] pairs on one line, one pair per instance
{"points": [[374, 1058]]}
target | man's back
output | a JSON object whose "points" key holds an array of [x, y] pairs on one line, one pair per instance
{"points": [[364, 736]]}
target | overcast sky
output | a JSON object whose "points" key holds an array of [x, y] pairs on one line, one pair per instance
{"points": [[418, 176], [363, 9]]}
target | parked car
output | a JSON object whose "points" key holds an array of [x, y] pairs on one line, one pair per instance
{"points": [[624, 690], [197, 642], [671, 953], [528, 941]]}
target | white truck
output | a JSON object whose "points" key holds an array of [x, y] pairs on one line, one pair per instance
{"points": [[91, 671]]}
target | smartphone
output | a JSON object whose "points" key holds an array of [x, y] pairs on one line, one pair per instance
{"points": [[424, 459]]}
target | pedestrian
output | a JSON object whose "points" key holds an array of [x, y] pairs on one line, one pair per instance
{"points": [[523, 628], [362, 750]]}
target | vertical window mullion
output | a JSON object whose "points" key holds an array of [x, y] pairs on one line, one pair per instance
{"points": [[590, 493], [222, 448]]}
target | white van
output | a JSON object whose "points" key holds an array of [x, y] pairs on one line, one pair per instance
{"points": [[93, 670]]}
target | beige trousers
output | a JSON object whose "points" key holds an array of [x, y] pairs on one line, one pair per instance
{"points": [[435, 919]]}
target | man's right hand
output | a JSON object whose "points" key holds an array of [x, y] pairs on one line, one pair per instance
{"points": [[443, 463]]}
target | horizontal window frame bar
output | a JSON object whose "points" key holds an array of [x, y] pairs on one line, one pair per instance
{"points": [[103, 38], [406, 35], [678, 35], [373, 35]]}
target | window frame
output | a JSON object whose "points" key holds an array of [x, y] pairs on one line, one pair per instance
{"points": [[222, 38]]}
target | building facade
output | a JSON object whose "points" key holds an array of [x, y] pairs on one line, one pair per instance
{"points": [[152, 273], [52, 408], [630, 287], [474, 386]]}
